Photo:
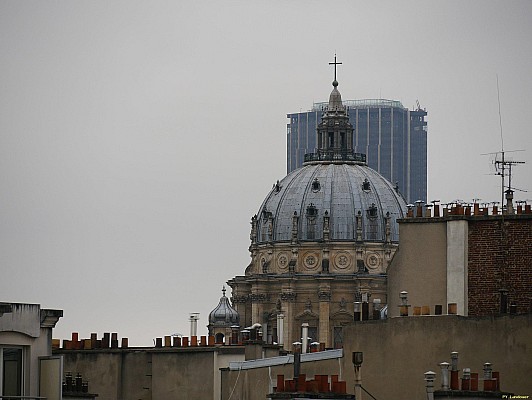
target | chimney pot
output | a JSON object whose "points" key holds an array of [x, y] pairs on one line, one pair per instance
{"points": [[454, 361], [444, 375], [487, 370], [429, 384], [452, 308], [474, 381]]}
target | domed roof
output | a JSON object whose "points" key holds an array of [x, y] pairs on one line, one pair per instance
{"points": [[359, 202], [224, 314]]}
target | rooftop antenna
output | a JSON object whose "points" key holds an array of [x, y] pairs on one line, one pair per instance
{"points": [[503, 166]]}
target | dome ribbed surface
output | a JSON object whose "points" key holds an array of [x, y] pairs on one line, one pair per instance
{"points": [[224, 314], [341, 190]]}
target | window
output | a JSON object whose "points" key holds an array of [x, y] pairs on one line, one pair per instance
{"points": [[11, 377], [361, 267], [316, 185], [338, 337], [313, 334], [219, 338], [372, 211]]}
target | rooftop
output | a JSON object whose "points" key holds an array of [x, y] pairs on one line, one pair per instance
{"points": [[361, 103]]}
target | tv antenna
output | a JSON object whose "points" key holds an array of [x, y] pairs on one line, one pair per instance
{"points": [[503, 165]]}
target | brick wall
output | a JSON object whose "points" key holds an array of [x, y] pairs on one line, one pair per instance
{"points": [[499, 259]]}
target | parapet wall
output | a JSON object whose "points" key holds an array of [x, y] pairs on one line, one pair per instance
{"points": [[398, 351]]}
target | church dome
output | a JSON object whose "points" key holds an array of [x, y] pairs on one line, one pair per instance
{"points": [[224, 314], [322, 240], [358, 201], [334, 195]]}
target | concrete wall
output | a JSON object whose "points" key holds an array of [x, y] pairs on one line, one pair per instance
{"points": [[22, 327], [151, 373], [465, 260], [183, 375], [457, 250], [398, 351], [419, 267], [103, 370]]}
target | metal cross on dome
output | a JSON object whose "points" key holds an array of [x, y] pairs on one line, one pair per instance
{"points": [[335, 64]]}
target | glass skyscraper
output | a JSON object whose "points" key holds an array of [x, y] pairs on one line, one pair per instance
{"points": [[393, 138]]}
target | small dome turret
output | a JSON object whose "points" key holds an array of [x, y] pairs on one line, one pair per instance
{"points": [[224, 314]]}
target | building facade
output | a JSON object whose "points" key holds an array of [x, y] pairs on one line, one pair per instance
{"points": [[474, 257], [393, 138], [27, 367], [322, 239]]}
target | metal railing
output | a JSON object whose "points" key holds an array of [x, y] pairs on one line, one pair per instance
{"points": [[22, 397], [361, 103], [332, 155]]}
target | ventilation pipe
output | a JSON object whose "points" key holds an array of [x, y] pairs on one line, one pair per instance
{"points": [[194, 324], [454, 371], [466, 379], [358, 358], [403, 312], [509, 201], [444, 375], [429, 384]]}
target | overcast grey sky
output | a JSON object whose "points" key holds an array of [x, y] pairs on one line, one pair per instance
{"points": [[137, 138]]}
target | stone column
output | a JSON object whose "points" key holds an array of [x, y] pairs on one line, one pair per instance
{"points": [[256, 306], [324, 333], [280, 329], [288, 297]]}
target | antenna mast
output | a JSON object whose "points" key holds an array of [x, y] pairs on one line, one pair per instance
{"points": [[503, 165]]}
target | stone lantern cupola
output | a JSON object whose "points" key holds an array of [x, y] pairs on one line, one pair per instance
{"points": [[222, 318], [335, 132]]}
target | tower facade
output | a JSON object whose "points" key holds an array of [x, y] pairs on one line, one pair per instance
{"points": [[321, 241], [393, 138]]}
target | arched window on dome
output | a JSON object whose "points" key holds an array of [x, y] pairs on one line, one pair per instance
{"points": [[372, 211], [316, 185], [371, 226]]}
